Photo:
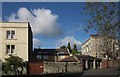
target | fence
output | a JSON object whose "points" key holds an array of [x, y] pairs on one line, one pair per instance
{"points": [[110, 63]]}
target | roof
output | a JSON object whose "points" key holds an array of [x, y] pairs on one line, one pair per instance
{"points": [[66, 52], [91, 36], [69, 59], [45, 50], [14, 24], [63, 50], [87, 57]]}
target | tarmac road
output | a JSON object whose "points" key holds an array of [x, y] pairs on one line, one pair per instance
{"points": [[109, 72]]}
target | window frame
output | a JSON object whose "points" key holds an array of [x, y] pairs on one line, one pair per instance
{"points": [[8, 34], [8, 49], [39, 57], [45, 57], [12, 34], [12, 49]]}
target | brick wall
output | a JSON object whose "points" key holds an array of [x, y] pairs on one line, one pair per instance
{"points": [[110, 63]]}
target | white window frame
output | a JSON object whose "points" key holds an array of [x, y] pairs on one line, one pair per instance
{"points": [[8, 50], [8, 34], [11, 34], [11, 51], [39, 57], [45, 57]]}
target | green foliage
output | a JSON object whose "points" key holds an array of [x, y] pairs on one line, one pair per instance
{"points": [[69, 46], [12, 63], [75, 47], [63, 46], [74, 50]]}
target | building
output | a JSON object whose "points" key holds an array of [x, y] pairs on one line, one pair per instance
{"points": [[43, 55], [15, 39], [97, 46], [49, 55], [88, 62], [43, 60]]}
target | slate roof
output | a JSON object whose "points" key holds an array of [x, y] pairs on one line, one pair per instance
{"points": [[69, 59], [77, 58], [66, 52], [86, 57], [52, 51]]}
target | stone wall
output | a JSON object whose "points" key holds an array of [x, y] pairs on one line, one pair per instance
{"points": [[59, 67]]}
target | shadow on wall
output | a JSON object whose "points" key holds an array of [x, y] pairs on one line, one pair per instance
{"points": [[0, 68]]}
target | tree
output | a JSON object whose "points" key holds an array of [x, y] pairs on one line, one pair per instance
{"points": [[63, 46], [74, 50], [69, 47], [11, 64], [103, 18]]}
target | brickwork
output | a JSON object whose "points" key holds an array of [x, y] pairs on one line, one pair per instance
{"points": [[110, 64]]}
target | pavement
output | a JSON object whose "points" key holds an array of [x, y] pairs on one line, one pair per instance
{"points": [[107, 72]]}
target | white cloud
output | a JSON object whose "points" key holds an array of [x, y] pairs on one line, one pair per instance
{"points": [[36, 43], [70, 39], [42, 21]]}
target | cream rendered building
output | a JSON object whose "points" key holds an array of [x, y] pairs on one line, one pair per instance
{"points": [[95, 46], [15, 39]]}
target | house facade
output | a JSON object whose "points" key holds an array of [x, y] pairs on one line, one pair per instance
{"points": [[49, 55], [96, 46], [15, 39], [43, 60]]}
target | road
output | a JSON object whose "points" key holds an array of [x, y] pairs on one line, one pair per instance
{"points": [[109, 72]]}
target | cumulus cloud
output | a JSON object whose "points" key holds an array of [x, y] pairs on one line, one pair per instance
{"points": [[67, 39], [36, 43], [42, 21]]}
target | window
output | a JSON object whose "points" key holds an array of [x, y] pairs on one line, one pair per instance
{"points": [[12, 34], [7, 48], [8, 34], [61, 52], [39, 57], [62, 57], [12, 48], [45, 57]]}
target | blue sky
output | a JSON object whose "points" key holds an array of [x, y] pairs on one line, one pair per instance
{"points": [[65, 16]]}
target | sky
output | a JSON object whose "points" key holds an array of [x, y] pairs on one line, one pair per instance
{"points": [[53, 23]]}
